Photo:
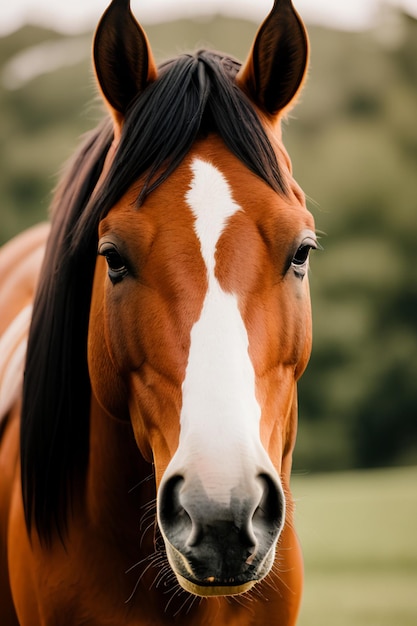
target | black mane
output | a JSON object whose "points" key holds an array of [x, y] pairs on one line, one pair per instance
{"points": [[194, 95]]}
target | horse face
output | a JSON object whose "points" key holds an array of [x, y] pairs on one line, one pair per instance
{"points": [[205, 315], [200, 325]]}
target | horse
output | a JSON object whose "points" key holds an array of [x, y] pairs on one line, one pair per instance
{"points": [[152, 340]]}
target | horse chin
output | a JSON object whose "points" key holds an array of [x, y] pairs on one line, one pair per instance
{"points": [[211, 589]]}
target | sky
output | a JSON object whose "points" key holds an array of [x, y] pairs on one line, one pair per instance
{"points": [[75, 15]]}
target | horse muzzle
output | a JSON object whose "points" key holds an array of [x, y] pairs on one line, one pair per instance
{"points": [[222, 546]]}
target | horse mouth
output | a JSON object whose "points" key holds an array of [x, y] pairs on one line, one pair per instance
{"points": [[214, 587], [205, 584]]}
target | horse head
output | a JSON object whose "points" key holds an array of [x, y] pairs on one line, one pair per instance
{"points": [[200, 322]]}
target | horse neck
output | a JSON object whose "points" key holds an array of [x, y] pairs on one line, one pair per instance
{"points": [[119, 484]]}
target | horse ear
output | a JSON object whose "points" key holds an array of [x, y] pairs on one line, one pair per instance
{"points": [[277, 63], [123, 59]]}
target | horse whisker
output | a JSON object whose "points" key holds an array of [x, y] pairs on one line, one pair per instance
{"points": [[141, 482]]}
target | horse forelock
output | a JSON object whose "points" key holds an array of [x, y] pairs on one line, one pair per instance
{"points": [[194, 95]]}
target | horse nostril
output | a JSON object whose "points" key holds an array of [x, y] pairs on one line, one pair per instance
{"points": [[174, 520], [271, 508]]}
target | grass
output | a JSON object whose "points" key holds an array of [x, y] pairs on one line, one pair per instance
{"points": [[359, 536]]}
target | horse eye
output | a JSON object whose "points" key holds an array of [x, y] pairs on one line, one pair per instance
{"points": [[116, 264], [301, 256]]}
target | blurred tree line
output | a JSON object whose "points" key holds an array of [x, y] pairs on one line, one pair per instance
{"points": [[353, 143]]}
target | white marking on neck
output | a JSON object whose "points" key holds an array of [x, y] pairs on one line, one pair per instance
{"points": [[13, 345], [220, 414]]}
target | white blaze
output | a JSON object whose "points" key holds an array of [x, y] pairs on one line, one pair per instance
{"points": [[220, 414]]}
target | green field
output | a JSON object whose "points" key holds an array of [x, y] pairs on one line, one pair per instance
{"points": [[359, 536]]}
